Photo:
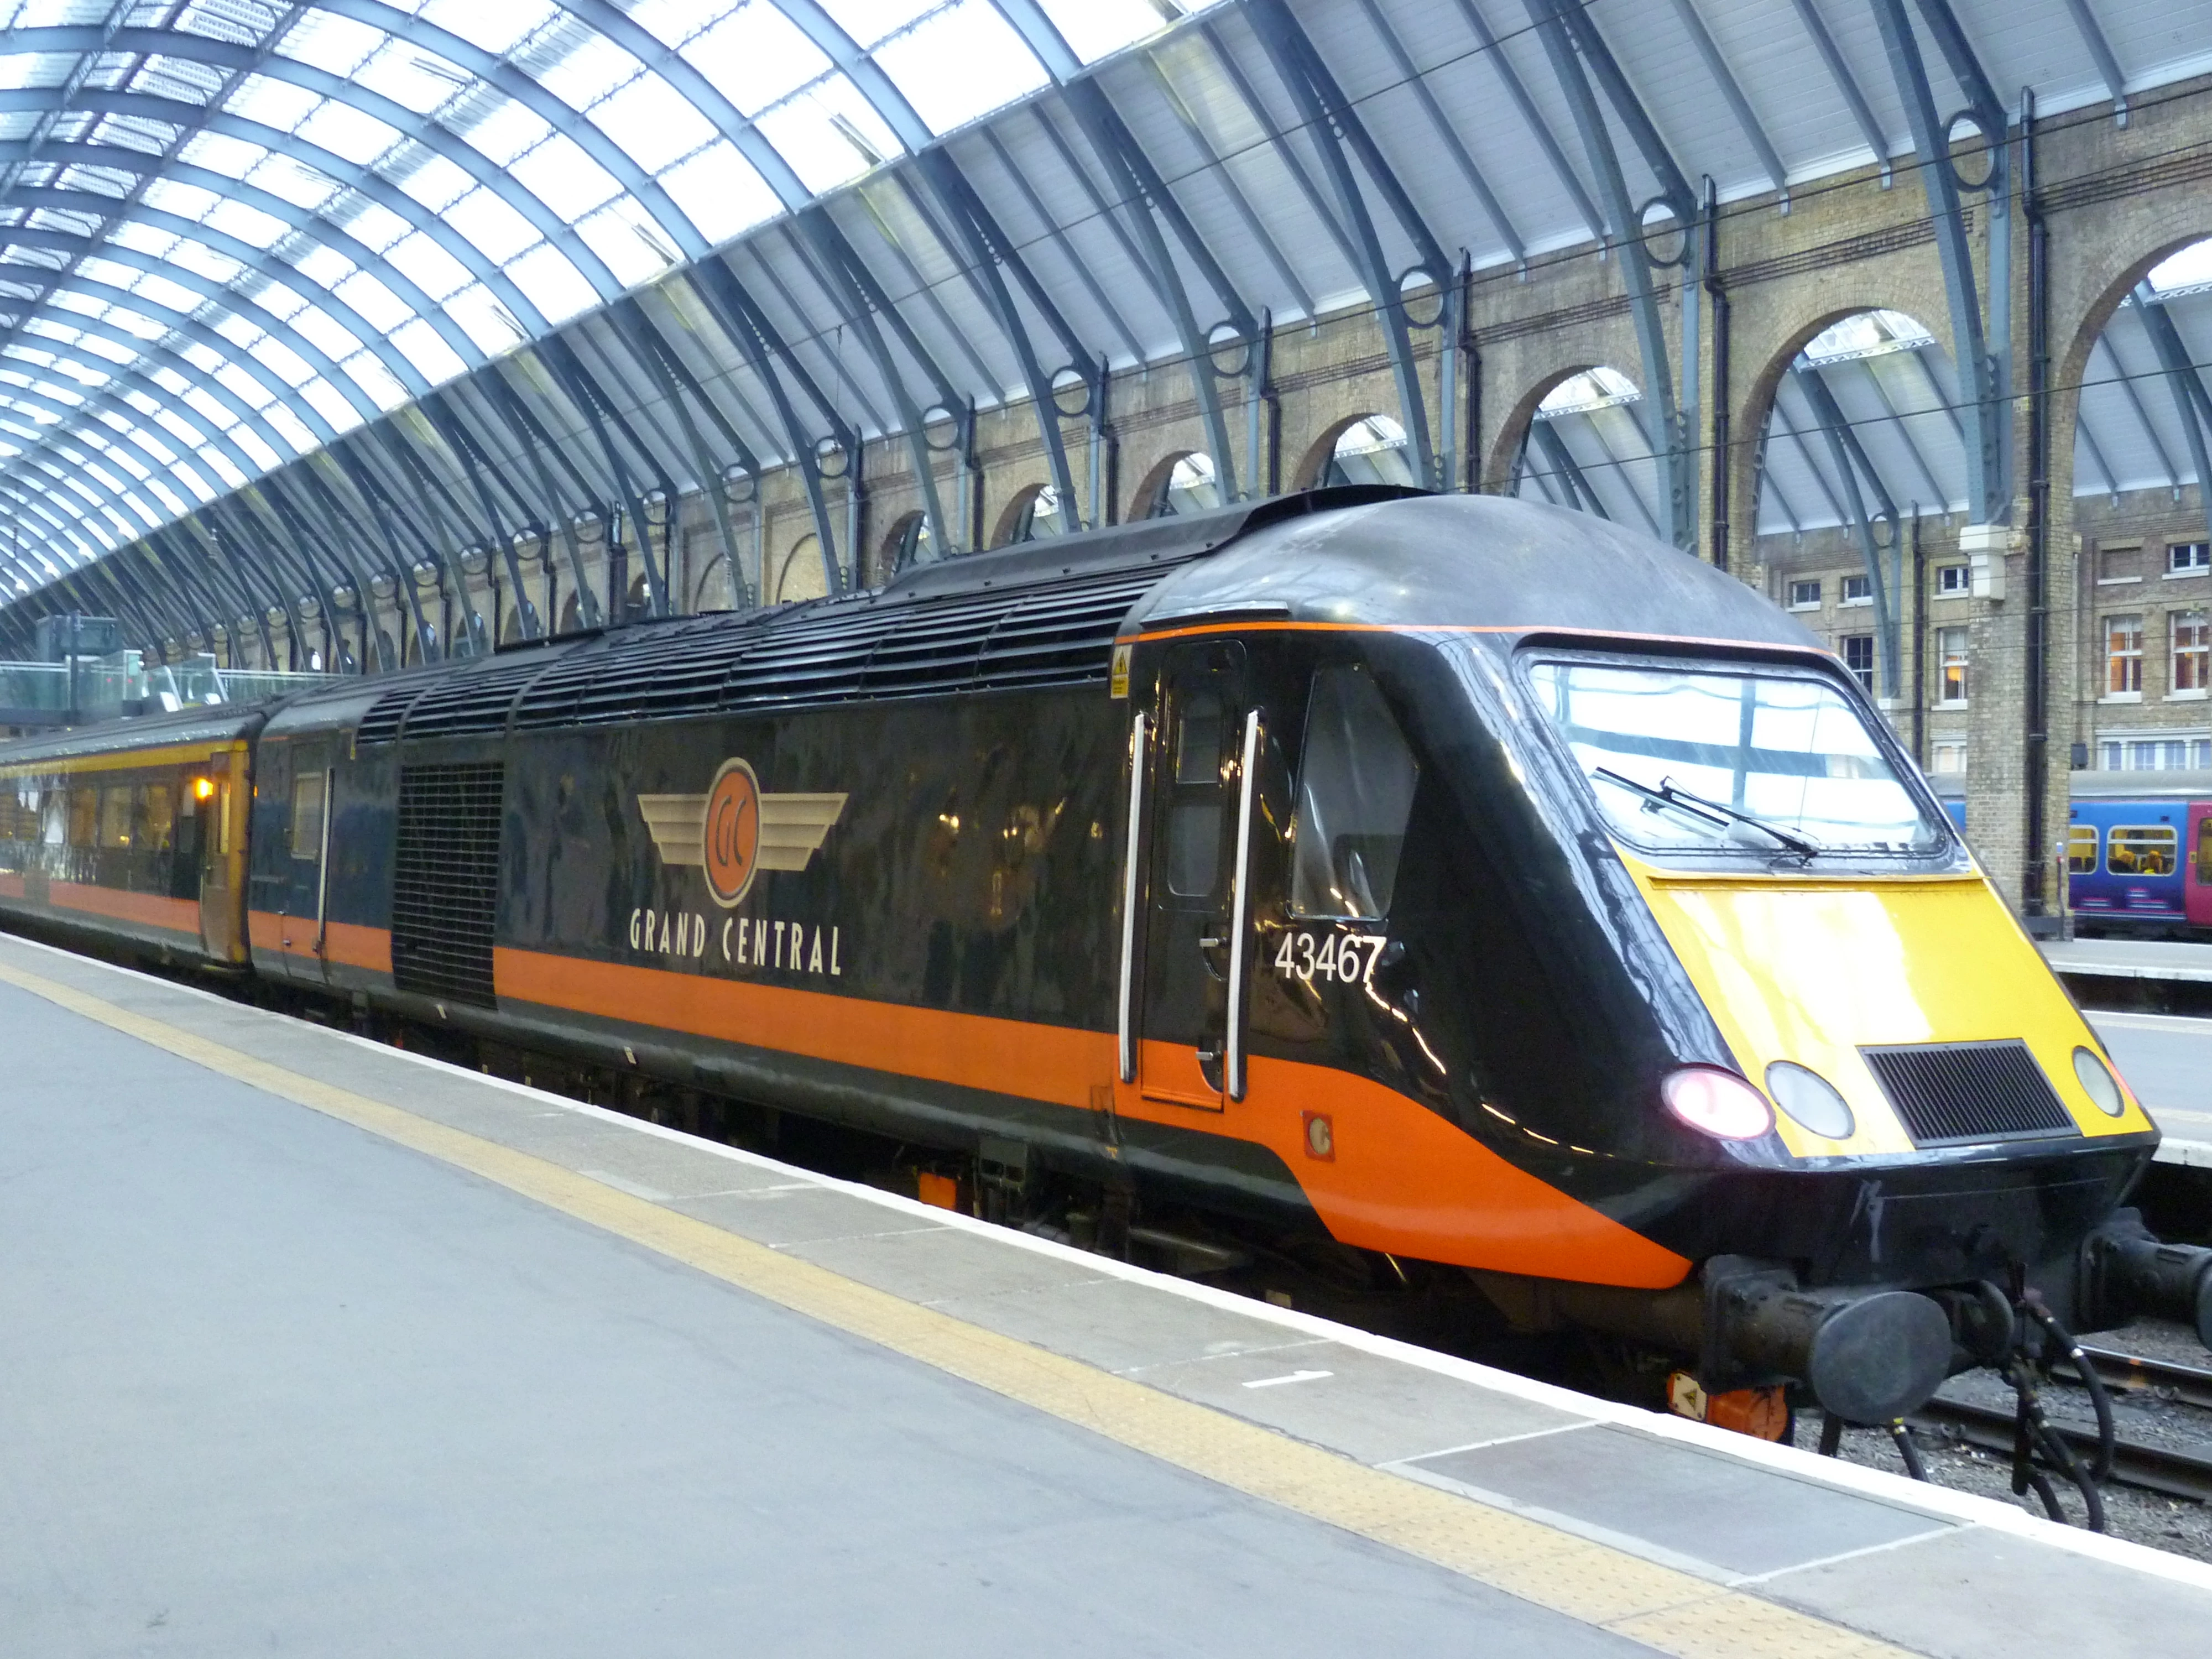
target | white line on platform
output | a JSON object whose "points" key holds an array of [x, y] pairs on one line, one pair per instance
{"points": [[1295, 1376]]}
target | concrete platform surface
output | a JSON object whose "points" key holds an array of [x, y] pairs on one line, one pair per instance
{"points": [[2167, 1060], [310, 1345], [2131, 958]]}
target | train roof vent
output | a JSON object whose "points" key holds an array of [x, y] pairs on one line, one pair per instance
{"points": [[465, 704], [1059, 633], [382, 723], [1952, 1093]]}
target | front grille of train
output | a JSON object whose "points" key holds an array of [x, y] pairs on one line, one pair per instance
{"points": [[1952, 1093], [445, 881]]}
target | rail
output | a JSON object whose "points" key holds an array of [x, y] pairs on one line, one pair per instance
{"points": [[2135, 1462]]}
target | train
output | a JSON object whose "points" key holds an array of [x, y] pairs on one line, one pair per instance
{"points": [[1470, 884], [2138, 851]]}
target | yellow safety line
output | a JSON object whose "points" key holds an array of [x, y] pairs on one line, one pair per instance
{"points": [[1670, 1610]]}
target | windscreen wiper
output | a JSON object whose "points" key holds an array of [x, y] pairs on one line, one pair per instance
{"points": [[1669, 793]]}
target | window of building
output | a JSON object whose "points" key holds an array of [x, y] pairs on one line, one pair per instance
{"points": [[1947, 758], [2141, 850], [1953, 582], [2081, 849], [2162, 754], [2123, 656], [2192, 652], [1805, 595], [1858, 657], [1858, 590], [307, 816], [2120, 564], [2188, 558], [1951, 666], [1356, 780]]}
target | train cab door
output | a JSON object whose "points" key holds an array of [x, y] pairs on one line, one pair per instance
{"points": [[307, 840], [1196, 958], [2196, 866], [206, 828]]}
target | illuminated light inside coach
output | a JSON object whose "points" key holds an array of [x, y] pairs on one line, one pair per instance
{"points": [[204, 788], [1717, 1104]]}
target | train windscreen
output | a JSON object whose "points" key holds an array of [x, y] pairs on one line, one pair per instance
{"points": [[1713, 758]]}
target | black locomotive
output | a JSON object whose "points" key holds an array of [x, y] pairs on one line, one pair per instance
{"points": [[1468, 880]]}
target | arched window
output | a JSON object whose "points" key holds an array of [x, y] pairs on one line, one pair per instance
{"points": [[1370, 450], [909, 543], [1032, 515], [1182, 483], [572, 615], [798, 573]]}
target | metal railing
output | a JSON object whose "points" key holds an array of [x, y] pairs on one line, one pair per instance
{"points": [[46, 694]]}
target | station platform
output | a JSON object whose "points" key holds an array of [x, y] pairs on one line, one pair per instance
{"points": [[2178, 960], [310, 1345]]}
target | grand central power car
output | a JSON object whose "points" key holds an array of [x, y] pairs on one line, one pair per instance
{"points": [[1469, 881]]}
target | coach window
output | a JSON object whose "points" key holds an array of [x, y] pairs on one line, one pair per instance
{"points": [[157, 817], [2147, 850], [2081, 849], [1356, 782], [115, 816], [84, 818], [307, 816]]}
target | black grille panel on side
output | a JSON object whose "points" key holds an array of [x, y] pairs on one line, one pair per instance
{"points": [[445, 881], [1949, 1093]]}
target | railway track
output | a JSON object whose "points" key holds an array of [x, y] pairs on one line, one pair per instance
{"points": [[2135, 1462]]}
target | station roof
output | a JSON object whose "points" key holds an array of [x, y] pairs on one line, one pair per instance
{"points": [[502, 264]]}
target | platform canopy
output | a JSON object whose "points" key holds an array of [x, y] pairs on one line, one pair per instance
{"points": [[296, 299]]}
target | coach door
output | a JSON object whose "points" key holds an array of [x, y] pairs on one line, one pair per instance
{"points": [[1196, 956], [2196, 866]]}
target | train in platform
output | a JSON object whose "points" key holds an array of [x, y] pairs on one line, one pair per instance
{"points": [[1475, 885], [2138, 851]]}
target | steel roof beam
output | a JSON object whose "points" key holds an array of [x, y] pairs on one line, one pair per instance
{"points": [[1581, 494], [1847, 83], [1983, 375], [1851, 461], [1619, 468], [2101, 53], [535, 444], [605, 420], [1937, 492], [1493, 53], [357, 463], [1570, 41], [2125, 378], [2192, 403], [1732, 92]]}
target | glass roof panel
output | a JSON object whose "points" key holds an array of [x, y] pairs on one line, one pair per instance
{"points": [[554, 286], [578, 67], [380, 308], [2190, 268], [348, 133], [245, 387], [336, 43], [432, 269], [326, 333], [560, 174], [830, 134], [624, 235], [1093, 29], [272, 102], [720, 192], [491, 223], [960, 62], [869, 21], [648, 118], [497, 28], [419, 80], [507, 130], [425, 348], [755, 55], [484, 319]]}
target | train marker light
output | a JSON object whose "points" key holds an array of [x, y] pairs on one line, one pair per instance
{"points": [[1716, 1102], [1321, 1136], [2098, 1079]]}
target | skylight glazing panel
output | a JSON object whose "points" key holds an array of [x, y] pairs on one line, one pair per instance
{"points": [[484, 319], [652, 122], [107, 270], [560, 174], [829, 134], [497, 28], [134, 133], [348, 133], [720, 192], [423, 346], [340, 44], [869, 21], [488, 222], [1093, 28], [556, 287], [204, 261], [580, 72], [289, 426], [219, 153], [277, 299], [142, 238], [256, 449], [326, 333], [249, 391], [380, 308], [221, 465], [211, 409], [323, 265], [35, 68], [369, 372], [430, 179], [227, 20], [963, 62], [172, 423], [160, 291], [622, 234], [508, 129], [431, 269], [336, 413], [418, 80], [249, 224], [755, 55], [297, 181], [286, 364], [274, 103]]}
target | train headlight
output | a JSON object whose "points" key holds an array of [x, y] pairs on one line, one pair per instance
{"points": [[1810, 1099], [1716, 1102], [2098, 1079]]}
